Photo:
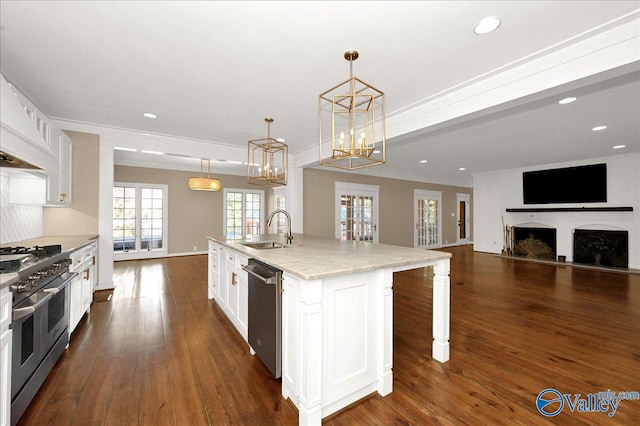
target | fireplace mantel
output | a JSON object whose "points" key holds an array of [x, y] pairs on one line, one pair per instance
{"points": [[568, 209]]}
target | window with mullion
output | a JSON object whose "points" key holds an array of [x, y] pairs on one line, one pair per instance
{"points": [[243, 213], [139, 217]]}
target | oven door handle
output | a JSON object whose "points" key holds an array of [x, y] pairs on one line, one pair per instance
{"points": [[20, 313], [55, 290]]}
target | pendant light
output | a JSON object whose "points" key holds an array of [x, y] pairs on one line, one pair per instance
{"points": [[267, 162], [204, 183], [351, 116]]}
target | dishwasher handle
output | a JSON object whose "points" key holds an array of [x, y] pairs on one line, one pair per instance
{"points": [[256, 271]]}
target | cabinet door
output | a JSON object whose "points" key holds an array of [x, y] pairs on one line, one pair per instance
{"points": [[243, 304], [87, 290], [59, 177], [212, 277], [222, 279], [232, 293], [66, 169], [5, 377], [75, 302]]}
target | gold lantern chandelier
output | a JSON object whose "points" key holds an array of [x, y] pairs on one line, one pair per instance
{"points": [[351, 116], [267, 162], [204, 183]]}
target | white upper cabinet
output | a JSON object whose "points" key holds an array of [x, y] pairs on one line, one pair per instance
{"points": [[26, 131], [59, 180], [28, 134]]}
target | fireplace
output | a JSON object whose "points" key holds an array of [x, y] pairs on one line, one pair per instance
{"points": [[534, 242], [601, 247]]}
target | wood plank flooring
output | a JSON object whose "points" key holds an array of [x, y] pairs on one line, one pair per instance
{"points": [[160, 353]]}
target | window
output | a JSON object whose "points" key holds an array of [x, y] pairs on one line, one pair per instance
{"points": [[243, 213], [139, 217], [281, 220]]}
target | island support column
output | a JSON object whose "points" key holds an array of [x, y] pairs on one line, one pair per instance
{"points": [[441, 308]]}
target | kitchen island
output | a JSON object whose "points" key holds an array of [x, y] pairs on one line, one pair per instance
{"points": [[337, 312]]}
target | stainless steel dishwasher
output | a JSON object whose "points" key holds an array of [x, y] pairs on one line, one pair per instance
{"points": [[265, 324]]}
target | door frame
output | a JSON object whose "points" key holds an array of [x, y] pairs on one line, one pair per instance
{"points": [[466, 199], [349, 188], [425, 194]]}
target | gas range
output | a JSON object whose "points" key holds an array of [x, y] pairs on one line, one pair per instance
{"points": [[35, 266]]}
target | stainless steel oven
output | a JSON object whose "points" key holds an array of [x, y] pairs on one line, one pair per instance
{"points": [[39, 337], [40, 317]]}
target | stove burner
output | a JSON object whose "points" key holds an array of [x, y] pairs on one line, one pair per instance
{"points": [[38, 251], [7, 266]]}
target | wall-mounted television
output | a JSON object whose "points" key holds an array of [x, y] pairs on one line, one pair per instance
{"points": [[581, 184]]}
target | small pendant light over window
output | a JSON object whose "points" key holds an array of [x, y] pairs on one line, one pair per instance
{"points": [[204, 183]]}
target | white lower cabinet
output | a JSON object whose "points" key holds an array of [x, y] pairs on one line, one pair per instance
{"points": [[75, 302], [229, 285], [214, 266], [84, 262], [5, 357]]}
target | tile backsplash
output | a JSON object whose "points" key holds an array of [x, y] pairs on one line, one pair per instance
{"points": [[18, 222]]}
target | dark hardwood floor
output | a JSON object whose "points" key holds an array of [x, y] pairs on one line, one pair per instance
{"points": [[160, 353]]}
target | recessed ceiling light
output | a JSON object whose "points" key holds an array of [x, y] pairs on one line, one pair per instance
{"points": [[487, 25], [377, 151], [152, 152], [619, 146], [119, 148], [462, 169], [567, 100], [234, 162], [281, 140], [150, 115], [423, 161], [598, 128]]}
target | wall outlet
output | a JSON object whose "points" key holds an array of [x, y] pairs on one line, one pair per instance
{"points": [[195, 248]]}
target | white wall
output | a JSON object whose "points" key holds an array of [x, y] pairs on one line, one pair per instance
{"points": [[496, 191]]}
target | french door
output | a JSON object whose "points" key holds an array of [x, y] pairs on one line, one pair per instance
{"points": [[243, 213], [357, 212], [427, 218]]}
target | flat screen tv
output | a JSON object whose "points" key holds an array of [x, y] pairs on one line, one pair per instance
{"points": [[581, 184]]}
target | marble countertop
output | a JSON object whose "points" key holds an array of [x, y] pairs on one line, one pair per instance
{"points": [[312, 258], [69, 243]]}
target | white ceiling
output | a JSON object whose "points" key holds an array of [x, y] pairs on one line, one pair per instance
{"points": [[212, 71]]}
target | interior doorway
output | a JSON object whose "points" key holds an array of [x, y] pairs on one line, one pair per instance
{"points": [[427, 213], [464, 219], [357, 212]]}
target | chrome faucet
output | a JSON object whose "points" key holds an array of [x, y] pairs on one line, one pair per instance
{"points": [[273, 213]]}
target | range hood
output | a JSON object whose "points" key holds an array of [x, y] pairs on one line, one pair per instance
{"points": [[10, 161]]}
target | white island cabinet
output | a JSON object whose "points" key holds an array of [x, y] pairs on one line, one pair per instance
{"points": [[337, 315], [228, 285]]}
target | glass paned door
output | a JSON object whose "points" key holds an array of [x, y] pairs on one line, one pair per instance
{"points": [[428, 217], [356, 218], [242, 213], [356, 212], [151, 218], [124, 218], [139, 217]]}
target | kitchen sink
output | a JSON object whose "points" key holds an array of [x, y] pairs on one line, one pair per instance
{"points": [[264, 245]]}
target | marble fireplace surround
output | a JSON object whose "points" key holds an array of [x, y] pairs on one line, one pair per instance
{"points": [[561, 239]]}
